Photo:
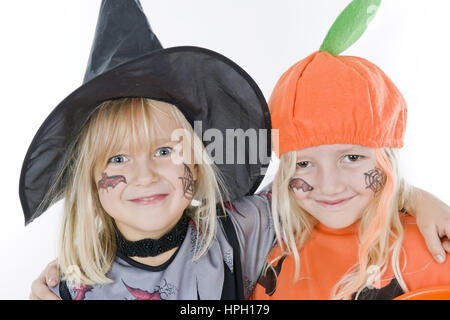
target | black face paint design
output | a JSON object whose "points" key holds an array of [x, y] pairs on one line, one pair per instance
{"points": [[375, 179], [188, 182], [298, 183], [111, 181]]}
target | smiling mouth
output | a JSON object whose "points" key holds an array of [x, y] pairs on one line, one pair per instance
{"points": [[150, 200], [334, 202]]}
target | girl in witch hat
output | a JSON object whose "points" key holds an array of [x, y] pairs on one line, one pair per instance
{"points": [[109, 125], [338, 190], [144, 203]]}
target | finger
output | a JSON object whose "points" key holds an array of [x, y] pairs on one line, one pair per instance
{"points": [[446, 245], [445, 235], [33, 297], [40, 291], [39, 287], [433, 242], [446, 231], [51, 274]]}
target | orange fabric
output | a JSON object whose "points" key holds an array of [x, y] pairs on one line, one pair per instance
{"points": [[329, 254], [429, 293], [326, 99]]}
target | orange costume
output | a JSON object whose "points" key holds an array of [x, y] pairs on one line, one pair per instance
{"points": [[330, 253]]}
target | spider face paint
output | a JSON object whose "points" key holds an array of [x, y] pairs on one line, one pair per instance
{"points": [[188, 182], [375, 179], [298, 183], [111, 181]]}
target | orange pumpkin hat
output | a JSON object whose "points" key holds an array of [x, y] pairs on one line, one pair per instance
{"points": [[330, 99]]}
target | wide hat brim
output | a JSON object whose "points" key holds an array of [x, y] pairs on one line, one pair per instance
{"points": [[203, 84]]}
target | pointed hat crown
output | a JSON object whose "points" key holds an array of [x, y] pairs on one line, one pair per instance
{"points": [[123, 33]]}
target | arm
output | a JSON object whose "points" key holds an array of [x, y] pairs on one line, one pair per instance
{"points": [[420, 271], [253, 224], [39, 287], [433, 220]]}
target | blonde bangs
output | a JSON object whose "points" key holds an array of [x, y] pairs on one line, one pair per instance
{"points": [[130, 122]]}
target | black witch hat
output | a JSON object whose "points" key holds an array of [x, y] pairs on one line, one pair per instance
{"points": [[127, 60]]}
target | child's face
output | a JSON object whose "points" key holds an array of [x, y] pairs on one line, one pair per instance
{"points": [[335, 183], [146, 194]]}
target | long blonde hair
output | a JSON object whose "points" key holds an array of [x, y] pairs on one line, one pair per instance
{"points": [[87, 243], [380, 228]]}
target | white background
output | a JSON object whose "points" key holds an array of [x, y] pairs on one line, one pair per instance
{"points": [[45, 46]]}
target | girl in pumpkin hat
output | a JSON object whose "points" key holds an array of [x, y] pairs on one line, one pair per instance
{"points": [[339, 189], [99, 115]]}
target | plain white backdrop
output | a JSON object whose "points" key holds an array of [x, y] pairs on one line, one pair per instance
{"points": [[44, 51]]}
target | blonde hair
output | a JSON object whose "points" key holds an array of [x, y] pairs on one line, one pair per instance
{"points": [[380, 228], [87, 243]]}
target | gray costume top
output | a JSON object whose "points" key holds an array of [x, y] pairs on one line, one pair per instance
{"points": [[209, 277]]}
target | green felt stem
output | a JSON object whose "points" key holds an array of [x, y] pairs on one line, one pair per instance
{"points": [[349, 25]]}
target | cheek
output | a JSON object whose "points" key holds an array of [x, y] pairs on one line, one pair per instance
{"points": [[361, 186], [356, 178], [301, 186], [300, 197], [110, 199], [179, 177], [356, 181], [299, 194], [172, 173]]}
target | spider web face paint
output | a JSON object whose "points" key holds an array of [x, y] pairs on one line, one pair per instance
{"points": [[111, 181], [188, 182], [375, 179], [298, 183]]}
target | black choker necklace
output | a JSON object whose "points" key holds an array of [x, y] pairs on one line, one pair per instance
{"points": [[151, 248]]}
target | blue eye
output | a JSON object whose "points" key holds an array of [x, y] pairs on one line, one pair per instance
{"points": [[352, 158], [164, 151], [303, 164], [118, 159]]}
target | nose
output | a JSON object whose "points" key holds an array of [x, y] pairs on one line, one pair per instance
{"points": [[329, 181], [144, 172]]}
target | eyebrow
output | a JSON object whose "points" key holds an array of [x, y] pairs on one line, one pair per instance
{"points": [[349, 150], [154, 143], [162, 141]]}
